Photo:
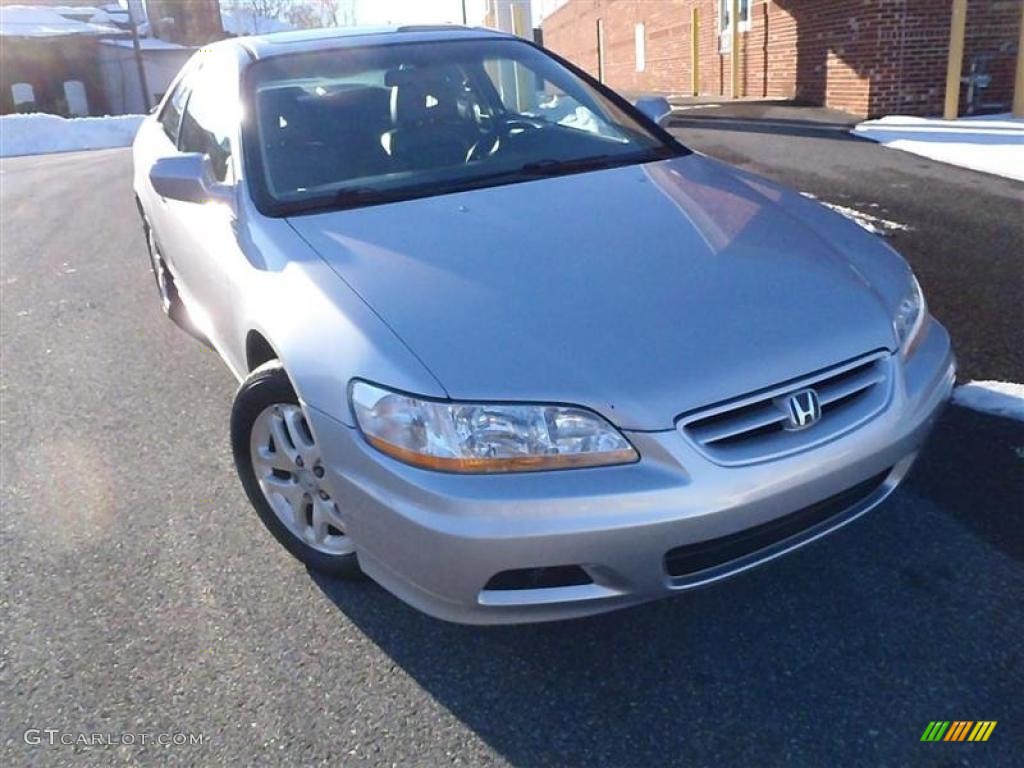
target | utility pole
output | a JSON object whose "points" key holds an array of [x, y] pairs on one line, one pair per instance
{"points": [[465, 18], [137, 46], [694, 52], [1018, 83], [734, 47], [957, 31]]}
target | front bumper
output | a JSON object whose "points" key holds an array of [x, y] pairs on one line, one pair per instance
{"points": [[435, 540]]}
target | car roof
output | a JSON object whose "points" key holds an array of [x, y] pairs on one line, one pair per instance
{"points": [[301, 41]]}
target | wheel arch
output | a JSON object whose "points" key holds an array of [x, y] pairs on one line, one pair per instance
{"points": [[258, 350]]}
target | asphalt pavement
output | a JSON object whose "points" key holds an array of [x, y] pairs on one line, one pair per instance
{"points": [[140, 595]]}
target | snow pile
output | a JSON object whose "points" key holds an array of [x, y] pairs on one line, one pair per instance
{"points": [[146, 44], [36, 133], [1002, 398], [242, 21], [35, 21], [992, 144]]}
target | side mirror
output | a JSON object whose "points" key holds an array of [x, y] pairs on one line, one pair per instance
{"points": [[655, 107], [189, 178]]}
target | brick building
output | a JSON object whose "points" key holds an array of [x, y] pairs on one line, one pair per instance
{"points": [[868, 57]]}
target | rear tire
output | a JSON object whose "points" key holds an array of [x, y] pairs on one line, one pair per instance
{"points": [[280, 465]]}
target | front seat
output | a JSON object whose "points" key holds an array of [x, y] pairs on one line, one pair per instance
{"points": [[427, 131]]}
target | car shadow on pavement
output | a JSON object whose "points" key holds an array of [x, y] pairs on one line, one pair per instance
{"points": [[839, 654]]}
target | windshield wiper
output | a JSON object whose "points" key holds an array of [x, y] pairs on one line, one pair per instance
{"points": [[355, 196], [550, 167], [544, 167]]}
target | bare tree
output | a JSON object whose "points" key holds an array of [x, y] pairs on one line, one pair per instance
{"points": [[337, 13], [261, 10], [304, 15]]}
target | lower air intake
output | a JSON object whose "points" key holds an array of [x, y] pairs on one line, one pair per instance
{"points": [[692, 558], [539, 578]]}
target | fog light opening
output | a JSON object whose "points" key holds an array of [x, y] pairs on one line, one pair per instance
{"points": [[547, 577]]}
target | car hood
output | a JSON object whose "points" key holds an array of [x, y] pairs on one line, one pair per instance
{"points": [[642, 292]]}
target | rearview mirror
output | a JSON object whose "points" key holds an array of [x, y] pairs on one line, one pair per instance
{"points": [[189, 178], [656, 108]]}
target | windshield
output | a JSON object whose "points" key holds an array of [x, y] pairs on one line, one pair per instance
{"points": [[357, 126]]}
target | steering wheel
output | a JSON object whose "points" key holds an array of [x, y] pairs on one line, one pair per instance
{"points": [[488, 144]]}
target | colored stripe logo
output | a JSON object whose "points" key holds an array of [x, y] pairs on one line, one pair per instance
{"points": [[958, 730]]}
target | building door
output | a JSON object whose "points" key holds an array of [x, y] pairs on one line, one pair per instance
{"points": [[74, 96], [24, 96], [725, 22]]}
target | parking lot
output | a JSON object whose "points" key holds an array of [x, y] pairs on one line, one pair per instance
{"points": [[141, 595]]}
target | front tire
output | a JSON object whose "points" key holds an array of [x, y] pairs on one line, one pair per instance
{"points": [[281, 468]]}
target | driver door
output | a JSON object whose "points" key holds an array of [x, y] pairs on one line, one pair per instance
{"points": [[201, 244]]}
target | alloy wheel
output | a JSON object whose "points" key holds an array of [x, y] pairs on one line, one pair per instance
{"points": [[290, 472]]}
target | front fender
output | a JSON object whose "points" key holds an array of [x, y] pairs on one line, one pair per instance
{"points": [[322, 331]]}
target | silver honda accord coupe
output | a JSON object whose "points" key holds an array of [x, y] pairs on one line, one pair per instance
{"points": [[504, 344]]}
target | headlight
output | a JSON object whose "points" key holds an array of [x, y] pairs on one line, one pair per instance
{"points": [[485, 437], [910, 315]]}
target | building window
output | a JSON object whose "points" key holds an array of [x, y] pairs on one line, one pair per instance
{"points": [[639, 40], [24, 97]]}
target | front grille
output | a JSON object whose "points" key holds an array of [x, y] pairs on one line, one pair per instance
{"points": [[692, 558], [753, 428]]}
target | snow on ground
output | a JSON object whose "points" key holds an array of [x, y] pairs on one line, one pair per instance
{"points": [[1002, 398], [874, 224], [36, 133], [146, 44], [992, 143]]}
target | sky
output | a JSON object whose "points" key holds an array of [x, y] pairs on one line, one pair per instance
{"points": [[434, 11], [379, 12]]}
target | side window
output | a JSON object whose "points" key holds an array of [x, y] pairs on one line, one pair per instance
{"points": [[517, 87], [170, 118], [209, 121], [527, 92]]}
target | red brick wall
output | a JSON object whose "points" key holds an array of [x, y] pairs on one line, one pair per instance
{"points": [[993, 27], [868, 57], [911, 76]]}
